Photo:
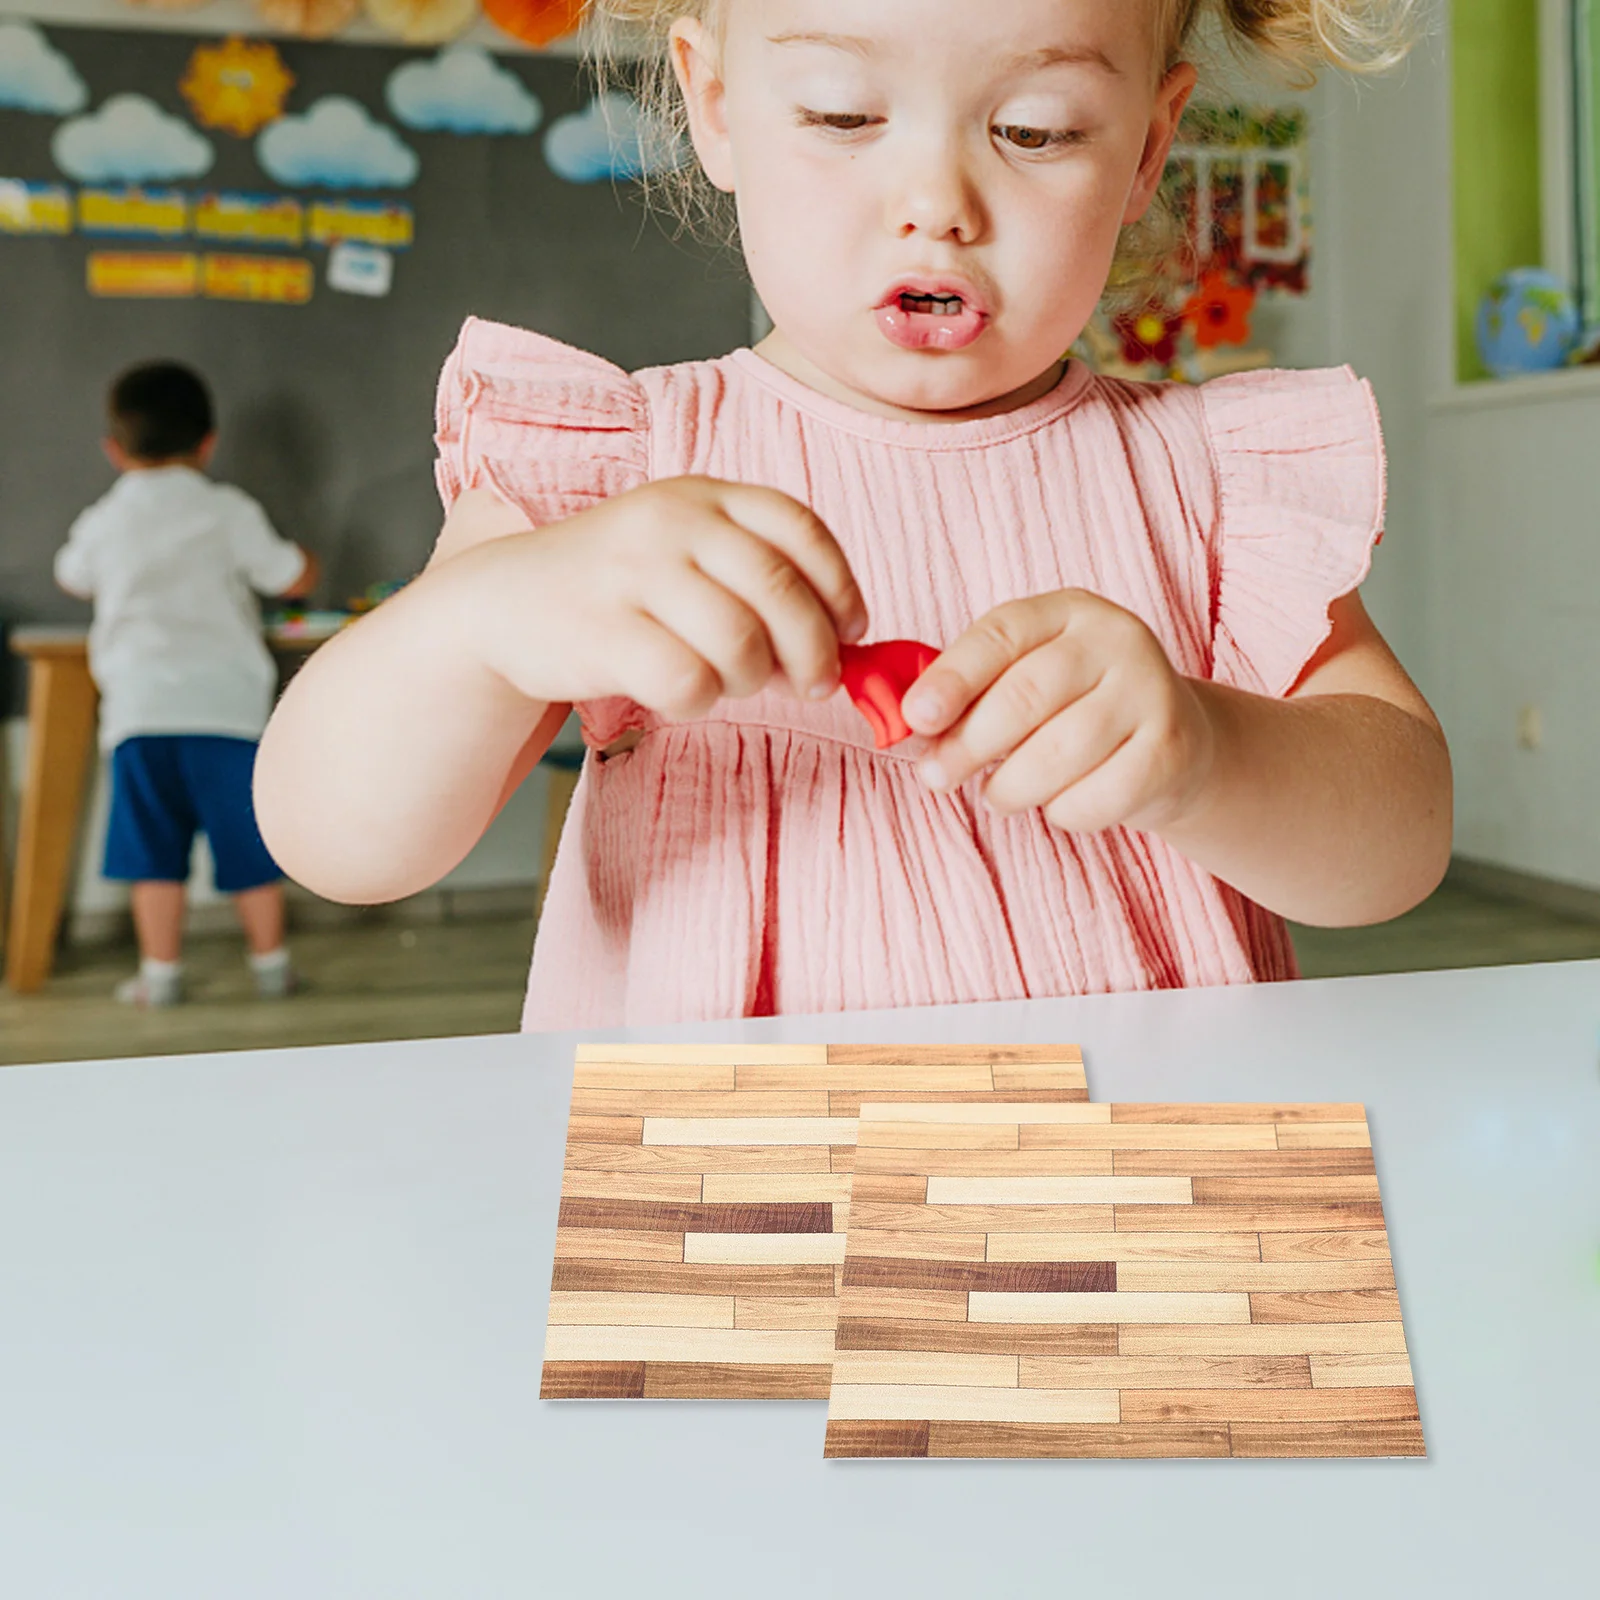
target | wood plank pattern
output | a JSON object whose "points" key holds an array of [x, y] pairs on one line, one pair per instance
{"points": [[1225, 1289], [993, 1338], [706, 1194], [1023, 1277], [1103, 1440]]}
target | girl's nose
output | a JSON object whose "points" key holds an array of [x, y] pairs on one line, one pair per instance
{"points": [[936, 196]]}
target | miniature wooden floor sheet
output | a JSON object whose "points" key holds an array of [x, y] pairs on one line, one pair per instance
{"points": [[705, 1198], [1119, 1280]]}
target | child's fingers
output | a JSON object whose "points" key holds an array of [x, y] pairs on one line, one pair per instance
{"points": [[977, 658], [806, 540], [1025, 697], [1063, 752], [1106, 797], [658, 669], [717, 625], [802, 632]]}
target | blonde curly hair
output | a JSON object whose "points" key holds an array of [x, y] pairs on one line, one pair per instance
{"points": [[1298, 37]]}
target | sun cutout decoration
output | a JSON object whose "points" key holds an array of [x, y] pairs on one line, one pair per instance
{"points": [[236, 86]]}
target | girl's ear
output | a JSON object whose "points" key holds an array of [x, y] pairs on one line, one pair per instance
{"points": [[1171, 98], [699, 77]]}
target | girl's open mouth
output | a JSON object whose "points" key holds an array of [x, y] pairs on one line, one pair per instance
{"points": [[915, 318]]}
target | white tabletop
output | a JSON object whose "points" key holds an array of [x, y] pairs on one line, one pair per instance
{"points": [[270, 1325]]}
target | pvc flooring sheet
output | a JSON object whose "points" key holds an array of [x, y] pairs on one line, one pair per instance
{"points": [[1119, 1280], [705, 1199]]}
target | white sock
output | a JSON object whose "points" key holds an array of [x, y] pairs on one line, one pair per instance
{"points": [[160, 971], [269, 961]]}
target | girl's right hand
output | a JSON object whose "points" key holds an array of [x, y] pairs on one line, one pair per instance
{"points": [[676, 594]]}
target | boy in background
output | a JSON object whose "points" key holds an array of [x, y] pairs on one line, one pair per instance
{"points": [[173, 563]]}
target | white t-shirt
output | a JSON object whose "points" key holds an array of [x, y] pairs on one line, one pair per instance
{"points": [[170, 560]]}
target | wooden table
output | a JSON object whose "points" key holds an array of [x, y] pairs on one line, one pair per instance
{"points": [[271, 1324], [62, 701]]}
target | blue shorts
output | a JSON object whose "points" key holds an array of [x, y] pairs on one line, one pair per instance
{"points": [[167, 787]]}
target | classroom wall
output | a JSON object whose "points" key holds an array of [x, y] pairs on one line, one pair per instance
{"points": [[1492, 589], [327, 408]]}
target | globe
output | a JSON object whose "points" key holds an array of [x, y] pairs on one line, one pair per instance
{"points": [[1527, 322]]}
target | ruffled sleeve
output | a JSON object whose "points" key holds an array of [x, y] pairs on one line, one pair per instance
{"points": [[1301, 480], [552, 430]]}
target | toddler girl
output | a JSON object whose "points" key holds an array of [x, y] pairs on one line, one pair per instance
{"points": [[1161, 720]]}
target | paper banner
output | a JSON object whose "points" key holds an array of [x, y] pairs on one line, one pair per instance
{"points": [[150, 274], [34, 207], [278, 280], [361, 222], [134, 213], [143, 275], [250, 219]]}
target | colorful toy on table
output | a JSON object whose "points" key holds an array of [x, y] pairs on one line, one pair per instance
{"points": [[374, 595], [876, 677], [298, 622]]}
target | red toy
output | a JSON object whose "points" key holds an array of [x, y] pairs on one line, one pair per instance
{"points": [[876, 677]]}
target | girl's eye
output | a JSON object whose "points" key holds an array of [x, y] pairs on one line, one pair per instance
{"points": [[839, 121], [1035, 138]]}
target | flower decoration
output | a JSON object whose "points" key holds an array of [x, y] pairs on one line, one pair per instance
{"points": [[309, 19], [236, 86], [1149, 335], [536, 22], [423, 21], [1219, 311]]}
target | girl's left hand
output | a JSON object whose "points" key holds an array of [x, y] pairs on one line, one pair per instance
{"points": [[1075, 699]]}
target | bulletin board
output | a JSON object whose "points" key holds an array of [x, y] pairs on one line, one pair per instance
{"points": [[325, 393]]}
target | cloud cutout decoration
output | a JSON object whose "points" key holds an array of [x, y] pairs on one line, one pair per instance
{"points": [[463, 89], [608, 139], [130, 139], [336, 144], [35, 76]]}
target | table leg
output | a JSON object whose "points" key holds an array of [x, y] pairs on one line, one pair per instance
{"points": [[61, 716]]}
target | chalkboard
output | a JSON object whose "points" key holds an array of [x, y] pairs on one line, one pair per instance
{"points": [[326, 408]]}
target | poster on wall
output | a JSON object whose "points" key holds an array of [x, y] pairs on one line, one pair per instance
{"points": [[329, 164]]}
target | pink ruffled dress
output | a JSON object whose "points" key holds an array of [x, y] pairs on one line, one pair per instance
{"points": [[767, 859]]}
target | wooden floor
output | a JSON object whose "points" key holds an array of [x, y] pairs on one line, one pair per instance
{"points": [[379, 981], [373, 981]]}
